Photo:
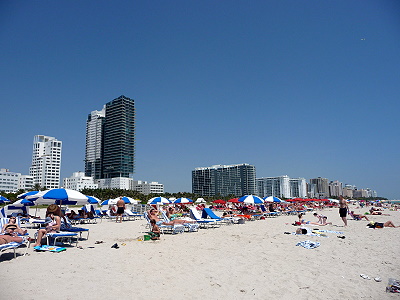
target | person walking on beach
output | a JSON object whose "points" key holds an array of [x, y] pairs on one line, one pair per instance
{"points": [[120, 209], [343, 208]]}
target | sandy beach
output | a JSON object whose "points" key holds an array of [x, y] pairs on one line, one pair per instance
{"points": [[255, 260]]}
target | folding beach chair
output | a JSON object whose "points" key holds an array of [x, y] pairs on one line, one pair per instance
{"points": [[194, 214], [191, 227], [14, 246], [174, 229]]}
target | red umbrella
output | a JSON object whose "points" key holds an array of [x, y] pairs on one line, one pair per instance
{"points": [[219, 201], [234, 200]]}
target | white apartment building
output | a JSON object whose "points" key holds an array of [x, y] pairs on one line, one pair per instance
{"points": [[46, 161], [123, 183], [298, 187], [146, 188], [9, 181], [274, 186], [335, 188], [78, 181], [25, 182]]}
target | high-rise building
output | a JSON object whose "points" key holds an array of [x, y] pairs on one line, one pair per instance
{"points": [[78, 181], [322, 187], [298, 187], [335, 188], [94, 143], [274, 186], [46, 161], [224, 180], [110, 140]]}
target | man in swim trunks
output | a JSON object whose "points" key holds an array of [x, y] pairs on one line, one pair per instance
{"points": [[120, 209], [343, 209]]}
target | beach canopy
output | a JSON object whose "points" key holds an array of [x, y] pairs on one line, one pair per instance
{"points": [[24, 195], [24, 202], [93, 200], [183, 201], [234, 200], [251, 199], [219, 201], [158, 200], [59, 197], [273, 199], [4, 200]]}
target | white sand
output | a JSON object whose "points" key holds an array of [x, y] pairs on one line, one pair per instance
{"points": [[251, 261]]}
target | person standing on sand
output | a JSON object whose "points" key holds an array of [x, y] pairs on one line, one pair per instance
{"points": [[343, 208], [120, 209]]}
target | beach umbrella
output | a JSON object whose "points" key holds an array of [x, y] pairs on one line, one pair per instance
{"points": [[234, 200], [4, 200], [200, 200], [251, 199], [93, 200], [127, 200], [24, 202], [108, 202], [24, 195], [219, 201], [59, 196], [273, 199], [158, 200], [183, 201]]}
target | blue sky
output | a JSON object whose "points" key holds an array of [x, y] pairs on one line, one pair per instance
{"points": [[299, 88]]}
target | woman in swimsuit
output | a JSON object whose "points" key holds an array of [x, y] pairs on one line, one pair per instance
{"points": [[12, 222], [53, 225]]}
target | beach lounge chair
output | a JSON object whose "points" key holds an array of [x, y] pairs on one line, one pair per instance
{"points": [[191, 227], [208, 213], [205, 223], [174, 229], [267, 213], [14, 246], [67, 227]]}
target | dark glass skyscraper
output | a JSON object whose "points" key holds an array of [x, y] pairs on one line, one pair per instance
{"points": [[110, 140], [119, 138]]}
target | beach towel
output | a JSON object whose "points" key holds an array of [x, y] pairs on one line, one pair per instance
{"points": [[311, 234], [308, 244], [330, 231], [49, 248]]}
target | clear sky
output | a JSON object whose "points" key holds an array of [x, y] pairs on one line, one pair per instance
{"points": [[299, 88]]}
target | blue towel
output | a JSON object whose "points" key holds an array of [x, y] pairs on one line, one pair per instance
{"points": [[308, 244]]}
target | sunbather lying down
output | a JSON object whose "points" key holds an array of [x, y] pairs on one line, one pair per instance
{"points": [[357, 216], [5, 239], [381, 225], [153, 215]]}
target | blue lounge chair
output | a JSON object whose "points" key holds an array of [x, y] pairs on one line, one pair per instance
{"points": [[191, 227], [14, 246], [208, 213], [195, 215], [165, 228], [67, 227]]}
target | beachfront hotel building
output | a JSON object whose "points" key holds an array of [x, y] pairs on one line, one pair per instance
{"points": [[11, 182], [298, 187], [110, 140], [46, 161], [78, 181], [224, 180], [94, 143], [274, 186], [335, 188], [321, 187]]}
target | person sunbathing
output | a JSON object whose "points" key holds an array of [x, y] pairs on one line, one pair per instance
{"points": [[302, 221], [373, 211], [382, 225], [322, 219], [53, 225], [153, 215], [5, 239], [12, 223], [357, 216]]}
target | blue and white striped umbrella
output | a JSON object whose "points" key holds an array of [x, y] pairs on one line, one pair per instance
{"points": [[183, 201], [24, 202], [273, 199], [59, 196], [93, 200], [24, 195], [158, 200], [4, 200], [251, 199], [108, 202], [127, 200]]}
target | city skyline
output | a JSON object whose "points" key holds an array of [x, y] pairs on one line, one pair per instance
{"points": [[307, 89]]}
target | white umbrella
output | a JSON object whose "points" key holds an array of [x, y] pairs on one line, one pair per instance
{"points": [[200, 200]]}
